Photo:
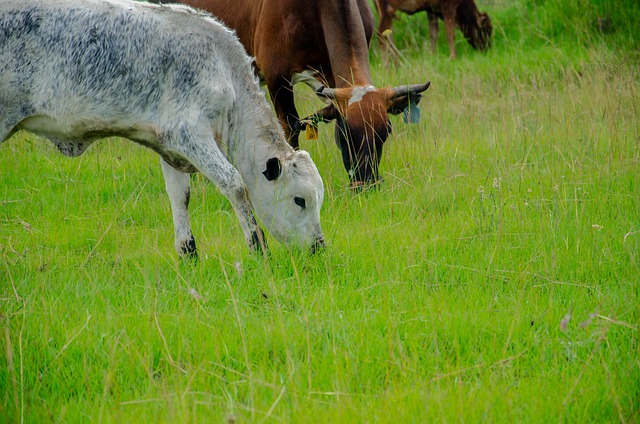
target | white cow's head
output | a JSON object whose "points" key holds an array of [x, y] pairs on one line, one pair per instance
{"points": [[287, 198]]}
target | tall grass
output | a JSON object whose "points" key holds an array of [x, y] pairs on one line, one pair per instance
{"points": [[492, 277]]}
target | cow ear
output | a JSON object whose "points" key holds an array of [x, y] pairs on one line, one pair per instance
{"points": [[398, 98], [326, 114], [397, 105], [274, 168]]}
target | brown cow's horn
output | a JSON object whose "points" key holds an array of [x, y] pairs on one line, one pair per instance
{"points": [[404, 90], [326, 92]]}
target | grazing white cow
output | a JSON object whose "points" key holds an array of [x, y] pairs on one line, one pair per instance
{"points": [[167, 77]]}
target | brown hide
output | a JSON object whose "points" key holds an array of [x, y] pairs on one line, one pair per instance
{"points": [[475, 26], [330, 38]]}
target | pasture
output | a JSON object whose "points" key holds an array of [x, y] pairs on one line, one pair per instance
{"points": [[493, 276]]}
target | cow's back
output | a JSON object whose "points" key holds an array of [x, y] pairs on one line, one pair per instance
{"points": [[290, 36], [104, 59]]}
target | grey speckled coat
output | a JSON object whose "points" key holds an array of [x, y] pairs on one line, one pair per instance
{"points": [[167, 77]]}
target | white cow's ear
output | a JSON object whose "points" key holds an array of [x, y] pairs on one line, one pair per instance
{"points": [[274, 168]]}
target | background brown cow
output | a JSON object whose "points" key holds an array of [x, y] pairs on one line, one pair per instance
{"points": [[475, 26], [321, 43]]}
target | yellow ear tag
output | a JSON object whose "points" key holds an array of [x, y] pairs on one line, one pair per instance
{"points": [[312, 132]]}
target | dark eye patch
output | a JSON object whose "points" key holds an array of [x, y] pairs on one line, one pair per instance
{"points": [[300, 202]]}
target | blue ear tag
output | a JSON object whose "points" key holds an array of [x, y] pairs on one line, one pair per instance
{"points": [[411, 113]]}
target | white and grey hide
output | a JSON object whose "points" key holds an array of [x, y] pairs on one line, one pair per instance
{"points": [[170, 78]]}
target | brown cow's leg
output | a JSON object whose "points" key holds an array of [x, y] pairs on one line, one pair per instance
{"points": [[433, 31], [281, 92], [385, 36]]}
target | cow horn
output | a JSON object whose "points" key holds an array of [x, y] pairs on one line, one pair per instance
{"points": [[404, 90], [326, 92]]}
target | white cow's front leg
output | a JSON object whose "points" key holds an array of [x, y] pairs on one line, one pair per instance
{"points": [[237, 194], [177, 185], [204, 154]]}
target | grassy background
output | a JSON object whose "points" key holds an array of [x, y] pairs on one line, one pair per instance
{"points": [[494, 276]]}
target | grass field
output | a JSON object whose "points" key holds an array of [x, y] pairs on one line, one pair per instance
{"points": [[494, 276]]}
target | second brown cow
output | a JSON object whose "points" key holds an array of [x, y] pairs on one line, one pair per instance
{"points": [[325, 44], [475, 26]]}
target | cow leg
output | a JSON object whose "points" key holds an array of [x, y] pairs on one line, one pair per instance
{"points": [[387, 48], [449, 15], [281, 92], [433, 31], [177, 186], [204, 154]]}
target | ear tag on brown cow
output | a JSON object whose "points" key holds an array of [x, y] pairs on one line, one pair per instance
{"points": [[312, 132], [411, 113]]}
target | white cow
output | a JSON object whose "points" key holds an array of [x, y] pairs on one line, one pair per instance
{"points": [[167, 77]]}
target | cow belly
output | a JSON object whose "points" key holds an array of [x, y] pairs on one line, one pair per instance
{"points": [[413, 6], [73, 136]]}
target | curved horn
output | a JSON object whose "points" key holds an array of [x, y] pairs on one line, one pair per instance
{"points": [[326, 92], [404, 90]]}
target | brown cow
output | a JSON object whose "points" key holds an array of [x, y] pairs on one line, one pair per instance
{"points": [[320, 42], [475, 26]]}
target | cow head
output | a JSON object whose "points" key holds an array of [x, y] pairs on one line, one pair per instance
{"points": [[362, 124], [287, 196], [478, 31]]}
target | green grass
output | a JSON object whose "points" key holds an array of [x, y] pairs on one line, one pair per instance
{"points": [[442, 296]]}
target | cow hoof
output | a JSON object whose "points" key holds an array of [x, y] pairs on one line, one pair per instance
{"points": [[188, 249], [258, 242], [318, 246]]}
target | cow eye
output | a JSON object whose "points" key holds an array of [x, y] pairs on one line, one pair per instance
{"points": [[300, 202]]}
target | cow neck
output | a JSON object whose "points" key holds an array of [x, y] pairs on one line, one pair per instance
{"points": [[257, 138], [346, 43]]}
